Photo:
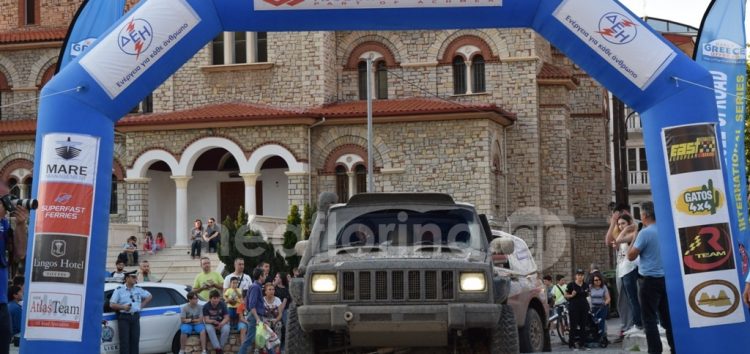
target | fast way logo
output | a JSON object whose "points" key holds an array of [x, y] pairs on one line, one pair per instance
{"points": [[617, 28], [703, 200], [135, 37], [706, 248], [714, 298], [723, 49], [701, 147]]}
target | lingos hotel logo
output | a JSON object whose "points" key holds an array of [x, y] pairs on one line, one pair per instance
{"points": [[691, 148], [706, 248], [714, 298], [699, 201]]}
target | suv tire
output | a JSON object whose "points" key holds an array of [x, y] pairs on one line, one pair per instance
{"points": [[504, 337], [297, 341], [532, 333]]}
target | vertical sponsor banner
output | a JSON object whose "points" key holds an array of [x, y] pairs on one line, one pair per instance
{"points": [[701, 221], [721, 50], [91, 20], [57, 287]]}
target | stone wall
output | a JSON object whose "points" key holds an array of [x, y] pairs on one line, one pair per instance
{"points": [[24, 69]]}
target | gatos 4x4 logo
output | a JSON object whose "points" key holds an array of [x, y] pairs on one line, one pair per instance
{"points": [[617, 28], [703, 200], [706, 248], [135, 37]]}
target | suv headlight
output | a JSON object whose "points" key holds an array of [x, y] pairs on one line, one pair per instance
{"points": [[473, 282], [324, 283]]}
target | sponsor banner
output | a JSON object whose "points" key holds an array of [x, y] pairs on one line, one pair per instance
{"points": [[698, 198], [69, 158], [723, 51], [621, 40], [59, 258], [706, 248], [691, 148], [138, 43], [713, 300], [365, 4], [54, 314], [64, 208]]}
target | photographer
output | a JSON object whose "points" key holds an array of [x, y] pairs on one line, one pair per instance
{"points": [[12, 239]]}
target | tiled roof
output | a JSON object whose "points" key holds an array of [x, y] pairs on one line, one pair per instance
{"points": [[403, 107], [17, 127], [236, 112], [33, 35], [214, 112], [550, 71]]}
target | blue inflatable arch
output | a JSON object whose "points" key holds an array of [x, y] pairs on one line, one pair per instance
{"points": [[81, 104]]}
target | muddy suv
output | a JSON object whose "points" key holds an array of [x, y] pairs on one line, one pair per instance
{"points": [[397, 270]]}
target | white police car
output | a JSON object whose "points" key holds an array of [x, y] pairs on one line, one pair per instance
{"points": [[160, 319]]}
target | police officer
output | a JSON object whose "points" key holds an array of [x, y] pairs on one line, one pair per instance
{"points": [[128, 300]]}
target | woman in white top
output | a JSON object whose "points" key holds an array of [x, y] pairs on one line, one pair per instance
{"points": [[274, 310], [621, 233]]}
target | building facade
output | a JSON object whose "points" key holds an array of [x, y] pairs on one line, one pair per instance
{"points": [[496, 118]]}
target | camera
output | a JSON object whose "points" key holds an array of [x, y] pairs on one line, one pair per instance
{"points": [[10, 202]]}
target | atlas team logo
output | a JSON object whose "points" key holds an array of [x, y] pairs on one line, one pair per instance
{"points": [[714, 298], [135, 37], [617, 28]]}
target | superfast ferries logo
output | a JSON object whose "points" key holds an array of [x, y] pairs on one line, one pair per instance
{"points": [[135, 37]]}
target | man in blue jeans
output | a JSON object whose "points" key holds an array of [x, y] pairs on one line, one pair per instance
{"points": [[653, 294], [254, 303]]}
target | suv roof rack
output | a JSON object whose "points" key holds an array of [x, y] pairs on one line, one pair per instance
{"points": [[400, 198]]}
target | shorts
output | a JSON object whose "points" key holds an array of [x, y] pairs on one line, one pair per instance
{"points": [[189, 329], [238, 326]]}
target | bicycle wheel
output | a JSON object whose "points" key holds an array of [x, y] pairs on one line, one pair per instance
{"points": [[563, 329]]}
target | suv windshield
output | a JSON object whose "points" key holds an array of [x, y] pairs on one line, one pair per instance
{"points": [[422, 226]]}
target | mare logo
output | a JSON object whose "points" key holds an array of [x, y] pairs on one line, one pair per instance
{"points": [[284, 2], [67, 150], [77, 48], [714, 298], [723, 49], [703, 200], [135, 37], [58, 248], [706, 248], [617, 28]]}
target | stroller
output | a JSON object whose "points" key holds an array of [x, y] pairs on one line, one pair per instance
{"points": [[594, 335]]}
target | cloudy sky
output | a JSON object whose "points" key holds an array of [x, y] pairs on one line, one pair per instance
{"points": [[689, 12]]}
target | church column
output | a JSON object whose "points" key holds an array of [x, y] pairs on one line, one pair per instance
{"points": [[250, 180], [181, 219]]}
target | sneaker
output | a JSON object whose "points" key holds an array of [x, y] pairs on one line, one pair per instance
{"points": [[662, 330], [182, 352], [633, 330], [204, 352]]}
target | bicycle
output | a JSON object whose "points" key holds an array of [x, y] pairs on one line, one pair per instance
{"points": [[562, 322]]}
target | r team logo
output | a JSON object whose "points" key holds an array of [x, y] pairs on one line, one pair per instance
{"points": [[706, 248]]}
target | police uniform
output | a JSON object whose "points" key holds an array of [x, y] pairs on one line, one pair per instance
{"points": [[128, 322]]}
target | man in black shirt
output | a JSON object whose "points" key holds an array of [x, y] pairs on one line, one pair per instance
{"points": [[576, 293]]}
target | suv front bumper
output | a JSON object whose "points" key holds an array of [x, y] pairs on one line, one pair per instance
{"points": [[430, 323]]}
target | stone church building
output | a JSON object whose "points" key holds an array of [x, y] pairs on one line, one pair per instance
{"points": [[496, 118]]}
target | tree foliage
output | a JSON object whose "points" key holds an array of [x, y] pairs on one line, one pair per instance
{"points": [[293, 228], [238, 240]]}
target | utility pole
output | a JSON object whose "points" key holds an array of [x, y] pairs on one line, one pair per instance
{"points": [[370, 166], [619, 139]]}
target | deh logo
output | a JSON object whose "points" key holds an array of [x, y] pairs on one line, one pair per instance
{"points": [[135, 37], [703, 200], [617, 28]]}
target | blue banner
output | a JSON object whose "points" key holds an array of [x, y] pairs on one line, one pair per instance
{"points": [[91, 20], [721, 50]]}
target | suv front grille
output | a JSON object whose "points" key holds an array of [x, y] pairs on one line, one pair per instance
{"points": [[398, 285]]}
